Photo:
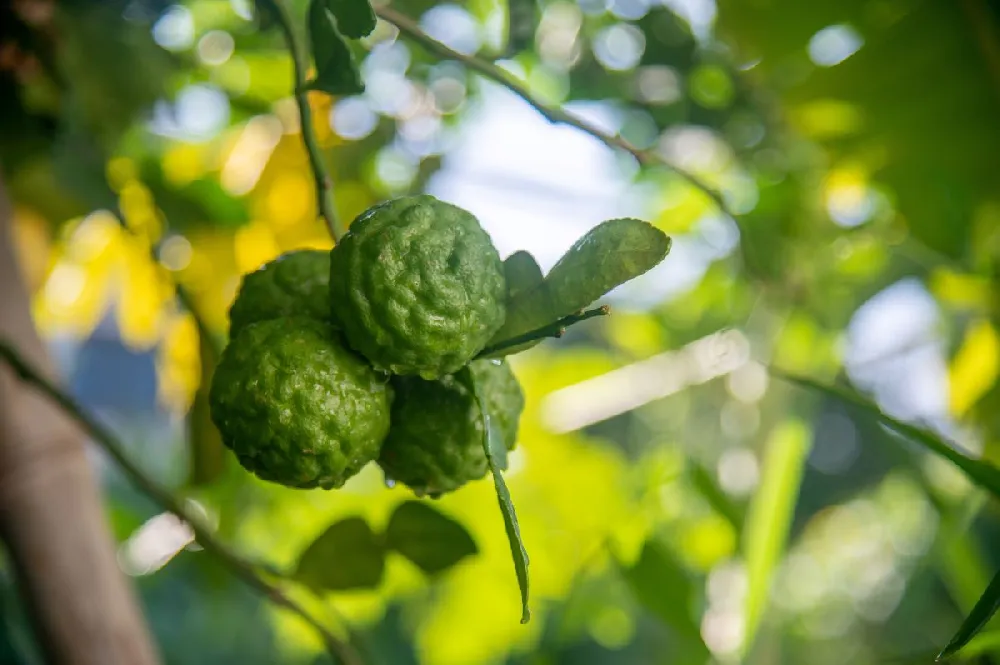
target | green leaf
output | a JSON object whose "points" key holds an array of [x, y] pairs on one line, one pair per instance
{"points": [[431, 540], [661, 586], [770, 515], [983, 611], [522, 273], [610, 254], [981, 473], [336, 71], [348, 555], [490, 444], [355, 18]]}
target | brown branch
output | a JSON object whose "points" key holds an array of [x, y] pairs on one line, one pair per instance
{"points": [[554, 114], [52, 520], [240, 567]]}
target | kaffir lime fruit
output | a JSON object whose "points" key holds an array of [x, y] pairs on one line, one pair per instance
{"points": [[296, 405], [417, 286], [435, 444], [294, 284]]}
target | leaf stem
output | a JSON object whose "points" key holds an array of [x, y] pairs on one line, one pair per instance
{"points": [[554, 114], [555, 329], [242, 568], [300, 64]]}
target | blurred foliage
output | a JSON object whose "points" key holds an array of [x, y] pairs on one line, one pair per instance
{"points": [[680, 505]]}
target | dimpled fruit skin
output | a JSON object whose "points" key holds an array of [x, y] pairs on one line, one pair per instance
{"points": [[297, 406], [294, 284], [435, 444], [417, 286]]}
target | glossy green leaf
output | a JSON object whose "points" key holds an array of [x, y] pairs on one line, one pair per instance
{"points": [[428, 538], [610, 254], [336, 71], [661, 586], [522, 273], [770, 515], [980, 615], [517, 550], [355, 18], [348, 555], [981, 473]]}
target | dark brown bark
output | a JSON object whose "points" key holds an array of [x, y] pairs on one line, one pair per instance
{"points": [[51, 516]]}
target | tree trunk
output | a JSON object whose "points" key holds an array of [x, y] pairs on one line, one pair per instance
{"points": [[51, 516]]}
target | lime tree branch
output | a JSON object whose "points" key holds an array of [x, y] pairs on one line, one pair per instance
{"points": [[300, 64], [240, 567], [554, 114], [554, 329]]}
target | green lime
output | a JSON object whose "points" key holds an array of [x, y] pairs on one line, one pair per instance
{"points": [[435, 444], [417, 286], [297, 406], [294, 284]]}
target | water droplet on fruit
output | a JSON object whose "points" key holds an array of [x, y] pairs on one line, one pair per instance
{"points": [[496, 361], [389, 482]]}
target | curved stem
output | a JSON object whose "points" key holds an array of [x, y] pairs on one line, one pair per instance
{"points": [[240, 567], [300, 64], [555, 329], [554, 114]]}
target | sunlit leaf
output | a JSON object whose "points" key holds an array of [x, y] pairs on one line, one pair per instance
{"points": [[336, 71], [355, 18], [985, 475], [975, 367], [980, 615], [610, 254], [659, 583], [770, 515], [517, 550], [348, 555], [431, 540]]}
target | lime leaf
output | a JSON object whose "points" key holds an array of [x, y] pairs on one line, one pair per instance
{"points": [[983, 611], [336, 70], [355, 18], [521, 272], [431, 540], [517, 551], [348, 555], [981, 473], [610, 254], [661, 586]]}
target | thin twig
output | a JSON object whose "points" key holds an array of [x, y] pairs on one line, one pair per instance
{"points": [[554, 329], [300, 64], [240, 567], [553, 114]]}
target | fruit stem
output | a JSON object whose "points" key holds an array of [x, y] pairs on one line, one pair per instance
{"points": [[245, 570], [300, 64], [555, 329]]}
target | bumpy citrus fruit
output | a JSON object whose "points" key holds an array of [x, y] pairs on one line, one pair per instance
{"points": [[296, 405], [294, 284], [417, 286], [435, 444]]}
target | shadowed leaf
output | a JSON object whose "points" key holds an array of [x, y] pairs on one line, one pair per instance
{"points": [[431, 540], [348, 555]]}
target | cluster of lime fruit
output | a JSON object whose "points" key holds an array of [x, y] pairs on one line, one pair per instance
{"points": [[340, 358]]}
